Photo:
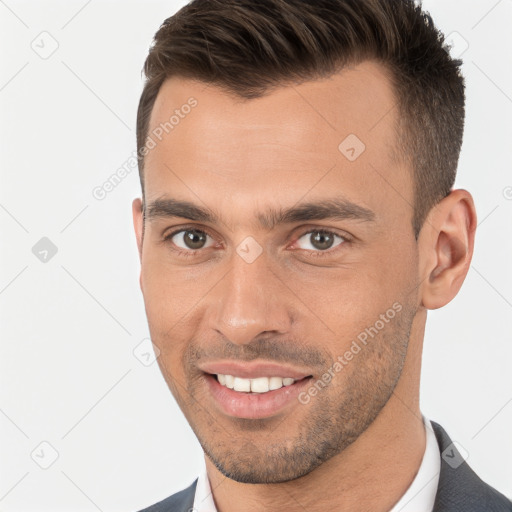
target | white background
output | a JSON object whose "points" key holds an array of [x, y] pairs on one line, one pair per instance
{"points": [[69, 326]]}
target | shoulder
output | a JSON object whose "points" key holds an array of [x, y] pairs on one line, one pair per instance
{"points": [[460, 488], [180, 502]]}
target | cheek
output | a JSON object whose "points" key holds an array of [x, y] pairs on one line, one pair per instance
{"points": [[388, 272], [170, 292], [167, 310], [343, 302]]}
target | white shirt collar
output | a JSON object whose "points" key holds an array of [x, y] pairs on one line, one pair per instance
{"points": [[419, 497], [421, 494]]}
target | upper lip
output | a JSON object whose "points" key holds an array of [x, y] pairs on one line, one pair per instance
{"points": [[252, 370]]}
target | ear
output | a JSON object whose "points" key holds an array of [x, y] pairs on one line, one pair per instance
{"points": [[138, 225], [446, 244]]}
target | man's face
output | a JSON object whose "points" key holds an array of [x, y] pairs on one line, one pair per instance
{"points": [[254, 295]]}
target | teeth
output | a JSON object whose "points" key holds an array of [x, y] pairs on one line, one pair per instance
{"points": [[275, 382], [230, 381], [242, 384], [257, 385]]}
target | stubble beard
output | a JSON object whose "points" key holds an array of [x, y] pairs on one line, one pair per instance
{"points": [[258, 451]]}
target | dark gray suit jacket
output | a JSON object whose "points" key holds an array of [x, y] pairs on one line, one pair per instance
{"points": [[459, 489]]}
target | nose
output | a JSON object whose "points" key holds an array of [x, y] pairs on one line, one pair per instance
{"points": [[249, 301]]}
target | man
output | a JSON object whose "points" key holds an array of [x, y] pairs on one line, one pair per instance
{"points": [[297, 221]]}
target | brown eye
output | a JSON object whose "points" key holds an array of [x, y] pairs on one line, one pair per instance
{"points": [[192, 239], [319, 240]]}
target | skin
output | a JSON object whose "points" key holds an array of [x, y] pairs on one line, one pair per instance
{"points": [[358, 443]]}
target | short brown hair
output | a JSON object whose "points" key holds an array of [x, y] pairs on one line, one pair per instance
{"points": [[249, 48]]}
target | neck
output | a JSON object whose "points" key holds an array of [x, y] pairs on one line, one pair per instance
{"points": [[373, 473]]}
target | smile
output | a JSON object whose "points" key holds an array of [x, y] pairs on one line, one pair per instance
{"points": [[254, 398], [257, 385]]}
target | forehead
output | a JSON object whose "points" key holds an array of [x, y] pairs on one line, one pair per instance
{"points": [[311, 138]]}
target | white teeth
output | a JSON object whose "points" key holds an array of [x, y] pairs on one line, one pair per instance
{"points": [[257, 385], [275, 382], [230, 381], [242, 384]]}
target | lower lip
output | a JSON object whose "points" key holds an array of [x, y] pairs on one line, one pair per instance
{"points": [[254, 405]]}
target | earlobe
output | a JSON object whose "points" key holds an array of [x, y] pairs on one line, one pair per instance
{"points": [[446, 248]]}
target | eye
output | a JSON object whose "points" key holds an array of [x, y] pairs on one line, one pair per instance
{"points": [[319, 240], [190, 239]]}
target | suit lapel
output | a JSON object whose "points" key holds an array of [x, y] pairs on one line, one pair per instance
{"points": [[459, 488]]}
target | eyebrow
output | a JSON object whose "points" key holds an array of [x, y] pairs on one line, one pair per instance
{"points": [[331, 208]]}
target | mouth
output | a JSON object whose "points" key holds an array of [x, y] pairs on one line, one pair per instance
{"points": [[256, 397], [256, 385]]}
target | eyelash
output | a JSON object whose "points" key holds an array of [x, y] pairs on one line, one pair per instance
{"points": [[313, 254]]}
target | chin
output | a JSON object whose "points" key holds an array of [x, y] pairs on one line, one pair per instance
{"points": [[257, 476]]}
